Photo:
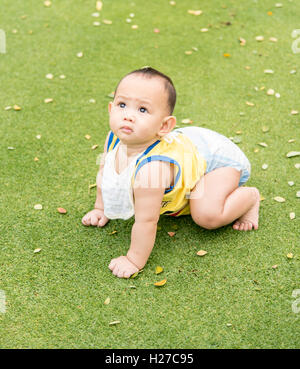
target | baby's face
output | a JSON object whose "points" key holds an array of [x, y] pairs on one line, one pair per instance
{"points": [[138, 110]]}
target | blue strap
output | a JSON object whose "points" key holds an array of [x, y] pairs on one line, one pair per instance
{"points": [[111, 136], [161, 158]]}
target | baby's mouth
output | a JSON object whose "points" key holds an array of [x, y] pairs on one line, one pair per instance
{"points": [[126, 129]]}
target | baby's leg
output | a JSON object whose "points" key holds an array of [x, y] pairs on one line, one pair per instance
{"points": [[217, 201]]}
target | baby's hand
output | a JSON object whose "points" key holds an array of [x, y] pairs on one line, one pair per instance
{"points": [[122, 267], [95, 217]]}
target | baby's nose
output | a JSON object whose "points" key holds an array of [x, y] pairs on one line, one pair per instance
{"points": [[128, 115]]}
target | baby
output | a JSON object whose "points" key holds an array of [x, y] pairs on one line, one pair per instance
{"points": [[149, 169]]}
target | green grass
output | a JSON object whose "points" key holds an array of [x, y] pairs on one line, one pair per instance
{"points": [[55, 298]]}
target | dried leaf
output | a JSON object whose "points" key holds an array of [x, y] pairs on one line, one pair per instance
{"points": [[48, 100], [80, 54], [47, 3], [249, 103], [115, 322], [294, 112], [38, 207], [88, 137], [291, 183], [36, 251], [274, 266], [201, 252], [134, 26], [61, 210], [270, 92], [49, 76], [134, 275], [268, 71], [291, 154], [17, 107], [99, 5], [292, 215], [263, 144], [160, 283], [242, 41], [195, 12], [159, 269], [107, 301], [94, 147], [259, 38], [107, 21], [187, 121], [290, 255], [265, 129], [279, 199], [273, 39], [171, 234]]}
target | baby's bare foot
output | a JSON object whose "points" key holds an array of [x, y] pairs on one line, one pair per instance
{"points": [[249, 220]]}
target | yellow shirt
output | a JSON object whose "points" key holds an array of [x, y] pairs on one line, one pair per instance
{"points": [[177, 149]]}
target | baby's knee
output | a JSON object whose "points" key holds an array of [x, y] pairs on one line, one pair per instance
{"points": [[208, 220]]}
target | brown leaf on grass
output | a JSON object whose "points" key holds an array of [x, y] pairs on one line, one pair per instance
{"points": [[201, 252], [61, 210], [171, 234]]}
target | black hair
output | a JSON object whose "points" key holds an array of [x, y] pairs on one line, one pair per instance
{"points": [[149, 72]]}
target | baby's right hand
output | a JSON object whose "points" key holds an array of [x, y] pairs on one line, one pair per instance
{"points": [[95, 217]]}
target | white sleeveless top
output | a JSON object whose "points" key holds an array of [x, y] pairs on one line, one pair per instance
{"points": [[116, 189]]}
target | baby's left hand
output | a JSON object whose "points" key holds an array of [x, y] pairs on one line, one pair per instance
{"points": [[122, 267]]}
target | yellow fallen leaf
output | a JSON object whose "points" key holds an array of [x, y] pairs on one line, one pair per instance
{"points": [[94, 147], [160, 283], [201, 252], [99, 5], [261, 198], [107, 301], [134, 26], [107, 21], [47, 3], [36, 251], [88, 137], [17, 107], [294, 112], [48, 100], [292, 215], [290, 255], [195, 12], [189, 52], [158, 270], [187, 121], [274, 266], [115, 322], [134, 275], [226, 55], [249, 103]]}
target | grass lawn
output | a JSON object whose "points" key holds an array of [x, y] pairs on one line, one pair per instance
{"points": [[230, 298]]}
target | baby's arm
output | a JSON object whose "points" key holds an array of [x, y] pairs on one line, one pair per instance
{"points": [[96, 216], [147, 205]]}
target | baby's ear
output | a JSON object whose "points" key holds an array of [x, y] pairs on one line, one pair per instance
{"points": [[167, 126]]}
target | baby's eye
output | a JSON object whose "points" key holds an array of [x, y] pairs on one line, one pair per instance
{"points": [[143, 110], [122, 105]]}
